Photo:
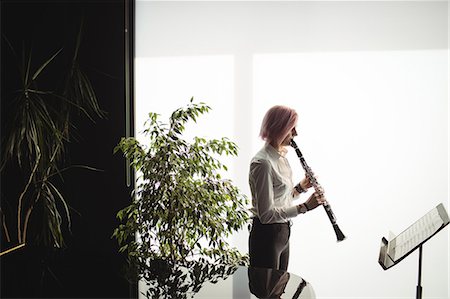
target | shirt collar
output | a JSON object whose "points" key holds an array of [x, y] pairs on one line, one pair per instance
{"points": [[273, 152]]}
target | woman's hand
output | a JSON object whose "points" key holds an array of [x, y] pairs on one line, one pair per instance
{"points": [[305, 183], [314, 201]]}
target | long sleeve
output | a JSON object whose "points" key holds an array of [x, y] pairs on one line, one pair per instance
{"points": [[271, 199]]}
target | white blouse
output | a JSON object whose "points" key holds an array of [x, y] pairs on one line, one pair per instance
{"points": [[270, 180]]}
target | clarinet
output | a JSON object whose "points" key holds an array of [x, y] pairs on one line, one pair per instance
{"points": [[339, 235]]}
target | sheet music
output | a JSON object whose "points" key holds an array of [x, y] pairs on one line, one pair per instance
{"points": [[414, 235]]}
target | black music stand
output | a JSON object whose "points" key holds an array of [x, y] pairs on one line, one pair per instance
{"points": [[398, 247]]}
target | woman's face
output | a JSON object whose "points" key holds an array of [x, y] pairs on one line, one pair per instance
{"points": [[287, 141]]}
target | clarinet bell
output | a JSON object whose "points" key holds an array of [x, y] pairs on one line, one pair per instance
{"points": [[339, 235]]}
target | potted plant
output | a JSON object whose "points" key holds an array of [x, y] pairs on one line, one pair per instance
{"points": [[182, 209], [38, 127]]}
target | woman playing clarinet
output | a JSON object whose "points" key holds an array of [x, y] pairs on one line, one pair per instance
{"points": [[273, 192]]}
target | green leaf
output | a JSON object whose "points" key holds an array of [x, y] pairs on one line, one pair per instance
{"points": [[44, 65]]}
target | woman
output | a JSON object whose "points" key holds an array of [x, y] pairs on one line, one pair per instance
{"points": [[273, 192]]}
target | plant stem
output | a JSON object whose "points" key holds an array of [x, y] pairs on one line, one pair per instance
{"points": [[191, 250], [19, 206], [25, 225], [5, 227], [44, 179]]}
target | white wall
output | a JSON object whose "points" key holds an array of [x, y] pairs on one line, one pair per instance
{"points": [[370, 82]]}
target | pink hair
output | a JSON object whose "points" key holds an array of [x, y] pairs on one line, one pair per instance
{"points": [[277, 123]]}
